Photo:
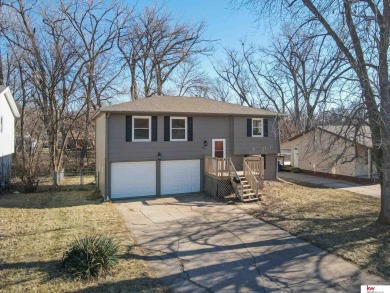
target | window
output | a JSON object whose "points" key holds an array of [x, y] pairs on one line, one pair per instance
{"points": [[257, 127], [141, 128], [179, 128]]}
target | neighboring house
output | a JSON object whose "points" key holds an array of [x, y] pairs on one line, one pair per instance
{"points": [[335, 150], [8, 113], [157, 145]]}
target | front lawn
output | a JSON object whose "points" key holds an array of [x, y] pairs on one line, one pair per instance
{"points": [[337, 221], [35, 230]]}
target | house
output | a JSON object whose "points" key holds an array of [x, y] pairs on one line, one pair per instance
{"points": [[340, 151], [158, 145], [8, 113]]}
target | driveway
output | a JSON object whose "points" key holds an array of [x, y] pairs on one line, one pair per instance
{"points": [[372, 190], [198, 245]]}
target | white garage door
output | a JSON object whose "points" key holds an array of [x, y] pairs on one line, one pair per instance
{"points": [[180, 176], [132, 179]]}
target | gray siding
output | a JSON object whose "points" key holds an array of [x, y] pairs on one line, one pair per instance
{"points": [[270, 170], [204, 128], [244, 145], [5, 171], [101, 152]]}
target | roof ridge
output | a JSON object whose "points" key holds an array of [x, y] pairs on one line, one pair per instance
{"points": [[218, 107]]}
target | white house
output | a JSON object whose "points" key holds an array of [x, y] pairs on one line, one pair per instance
{"points": [[8, 113]]}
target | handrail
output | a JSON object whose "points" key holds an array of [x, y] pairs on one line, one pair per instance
{"points": [[251, 178], [233, 174], [256, 164], [216, 166]]}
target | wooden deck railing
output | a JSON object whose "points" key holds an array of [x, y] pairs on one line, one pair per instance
{"points": [[236, 181], [254, 166], [217, 166]]}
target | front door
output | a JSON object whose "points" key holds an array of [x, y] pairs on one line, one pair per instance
{"points": [[296, 158], [218, 149]]}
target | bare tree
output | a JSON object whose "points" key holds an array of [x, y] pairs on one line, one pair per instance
{"points": [[295, 75], [235, 73], [96, 27], [219, 90], [49, 65], [155, 45], [190, 80], [360, 30]]}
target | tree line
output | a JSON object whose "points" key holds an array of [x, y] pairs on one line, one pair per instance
{"points": [[65, 60], [327, 63]]}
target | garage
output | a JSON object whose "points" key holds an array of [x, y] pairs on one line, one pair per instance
{"points": [[133, 179], [180, 176]]}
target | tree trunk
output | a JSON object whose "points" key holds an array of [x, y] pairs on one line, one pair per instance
{"points": [[83, 153], [133, 65], [384, 215]]}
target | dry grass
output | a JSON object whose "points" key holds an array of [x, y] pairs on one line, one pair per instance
{"points": [[337, 221], [35, 230]]}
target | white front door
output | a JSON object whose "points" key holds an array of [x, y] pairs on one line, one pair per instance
{"points": [[219, 148], [296, 157], [180, 176]]}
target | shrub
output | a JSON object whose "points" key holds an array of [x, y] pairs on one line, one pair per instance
{"points": [[296, 170], [90, 257]]}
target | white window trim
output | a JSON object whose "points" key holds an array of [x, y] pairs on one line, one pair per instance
{"points": [[185, 129], [213, 146], [262, 126], [150, 128]]}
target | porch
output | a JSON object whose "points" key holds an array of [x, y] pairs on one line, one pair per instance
{"points": [[222, 178]]}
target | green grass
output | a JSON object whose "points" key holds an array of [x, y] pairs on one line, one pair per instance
{"points": [[337, 221], [36, 229]]}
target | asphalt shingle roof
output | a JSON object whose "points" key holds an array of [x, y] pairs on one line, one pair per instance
{"points": [[185, 105], [362, 135]]}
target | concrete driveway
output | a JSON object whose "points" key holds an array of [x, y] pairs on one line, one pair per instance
{"points": [[198, 245], [372, 190]]}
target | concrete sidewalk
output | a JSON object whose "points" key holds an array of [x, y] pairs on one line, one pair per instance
{"points": [[372, 190], [198, 245]]}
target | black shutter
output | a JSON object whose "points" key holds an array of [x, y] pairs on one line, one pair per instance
{"points": [[167, 129], [129, 128], [154, 128], [249, 127], [265, 161], [265, 128], [190, 129]]}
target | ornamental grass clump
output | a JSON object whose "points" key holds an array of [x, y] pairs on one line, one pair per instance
{"points": [[90, 257]]}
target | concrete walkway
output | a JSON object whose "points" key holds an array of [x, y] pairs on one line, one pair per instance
{"points": [[198, 245], [372, 190]]}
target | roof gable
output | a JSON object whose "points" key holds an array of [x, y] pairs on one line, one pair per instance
{"points": [[185, 105], [362, 136], [5, 91]]}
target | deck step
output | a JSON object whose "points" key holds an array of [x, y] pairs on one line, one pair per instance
{"points": [[245, 195], [250, 199], [247, 189]]}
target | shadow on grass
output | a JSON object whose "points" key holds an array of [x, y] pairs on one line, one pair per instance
{"points": [[357, 238], [51, 199], [52, 272]]}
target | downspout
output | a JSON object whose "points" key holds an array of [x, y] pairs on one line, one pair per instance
{"points": [[107, 172]]}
